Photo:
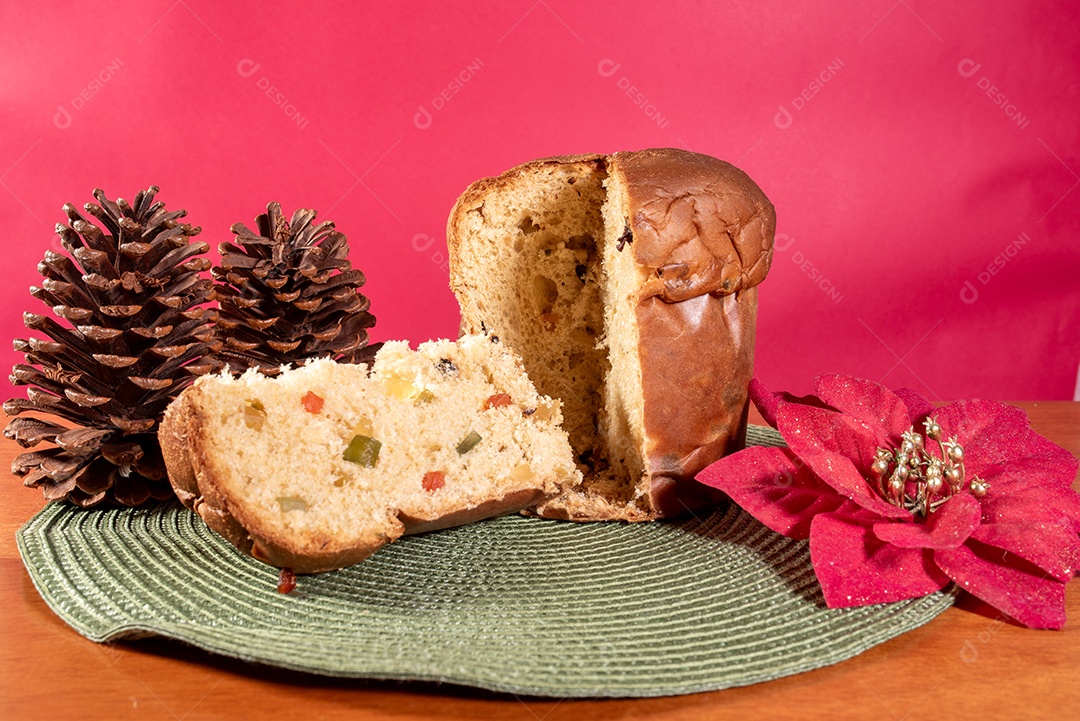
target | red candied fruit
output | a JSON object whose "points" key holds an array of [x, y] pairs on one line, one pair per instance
{"points": [[499, 400], [312, 403], [434, 480], [286, 581]]}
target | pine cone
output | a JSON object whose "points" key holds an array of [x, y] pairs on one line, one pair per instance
{"points": [[136, 334], [288, 293]]}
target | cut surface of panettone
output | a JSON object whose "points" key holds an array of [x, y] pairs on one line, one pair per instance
{"points": [[319, 467]]}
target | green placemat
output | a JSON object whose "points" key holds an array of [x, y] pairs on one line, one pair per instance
{"points": [[512, 604]]}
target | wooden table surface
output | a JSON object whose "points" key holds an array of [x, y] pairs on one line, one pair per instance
{"points": [[967, 663]]}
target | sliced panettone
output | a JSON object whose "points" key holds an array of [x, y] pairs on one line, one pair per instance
{"points": [[627, 283], [319, 467]]}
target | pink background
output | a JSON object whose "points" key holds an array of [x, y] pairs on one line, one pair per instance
{"points": [[927, 231]]}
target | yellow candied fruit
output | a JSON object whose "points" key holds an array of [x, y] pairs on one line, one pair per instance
{"points": [[254, 415], [425, 397], [544, 412], [364, 427], [522, 472], [400, 389]]}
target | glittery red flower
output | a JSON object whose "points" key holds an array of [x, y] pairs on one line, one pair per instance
{"points": [[895, 512]]}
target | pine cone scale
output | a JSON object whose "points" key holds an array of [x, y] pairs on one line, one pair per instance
{"points": [[92, 480], [151, 384], [80, 441], [60, 490], [28, 432]]}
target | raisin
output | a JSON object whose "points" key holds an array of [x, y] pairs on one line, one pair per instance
{"points": [[312, 403], [580, 270], [446, 367], [286, 581], [433, 480], [499, 400], [528, 412], [626, 237]]}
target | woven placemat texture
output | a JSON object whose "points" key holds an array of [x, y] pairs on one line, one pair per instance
{"points": [[514, 604]]}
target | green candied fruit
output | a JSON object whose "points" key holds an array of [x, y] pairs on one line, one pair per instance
{"points": [[363, 451], [425, 397], [468, 443]]}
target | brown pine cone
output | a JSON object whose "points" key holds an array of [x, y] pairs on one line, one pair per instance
{"points": [[133, 296], [288, 293]]}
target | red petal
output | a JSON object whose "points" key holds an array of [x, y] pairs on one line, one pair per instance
{"points": [[764, 400], [1022, 474], [771, 485], [918, 407], [855, 568], [1049, 546], [1045, 502], [869, 402], [837, 448], [991, 433], [1039, 526], [767, 402], [948, 527], [1006, 582]]}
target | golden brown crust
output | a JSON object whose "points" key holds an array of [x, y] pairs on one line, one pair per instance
{"points": [[182, 447], [511, 503], [697, 357], [702, 233], [699, 225]]}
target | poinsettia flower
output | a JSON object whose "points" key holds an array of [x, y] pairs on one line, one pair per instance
{"points": [[899, 499]]}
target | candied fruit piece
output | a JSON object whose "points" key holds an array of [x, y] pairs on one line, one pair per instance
{"points": [[286, 581], [544, 412], [363, 451], [364, 427], [312, 403], [468, 443], [433, 480], [499, 400], [254, 415], [401, 389], [292, 503], [522, 472], [426, 396]]}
